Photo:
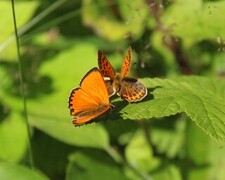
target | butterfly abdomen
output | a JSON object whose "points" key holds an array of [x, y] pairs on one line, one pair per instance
{"points": [[117, 82]]}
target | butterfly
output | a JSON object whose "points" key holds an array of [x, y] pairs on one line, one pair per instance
{"points": [[127, 88], [90, 100]]}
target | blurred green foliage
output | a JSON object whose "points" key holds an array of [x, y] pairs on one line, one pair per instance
{"points": [[176, 132]]}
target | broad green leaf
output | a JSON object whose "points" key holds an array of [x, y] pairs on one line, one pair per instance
{"points": [[24, 11], [195, 20], [10, 171], [94, 165], [100, 17], [93, 135], [200, 98], [13, 138], [50, 112]]}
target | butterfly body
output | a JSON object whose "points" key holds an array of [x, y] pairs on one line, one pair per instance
{"points": [[90, 100], [116, 83], [127, 88]]}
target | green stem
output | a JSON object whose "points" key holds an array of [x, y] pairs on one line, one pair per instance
{"points": [[114, 154], [30, 154]]}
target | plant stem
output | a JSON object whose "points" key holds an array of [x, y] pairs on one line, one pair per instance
{"points": [[30, 154]]}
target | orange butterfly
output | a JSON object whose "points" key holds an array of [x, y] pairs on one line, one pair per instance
{"points": [[90, 100], [127, 88]]}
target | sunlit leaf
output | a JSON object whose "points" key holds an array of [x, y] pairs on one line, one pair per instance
{"points": [[200, 98]]}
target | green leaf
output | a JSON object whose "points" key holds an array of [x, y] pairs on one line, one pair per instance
{"points": [[8, 44], [200, 98], [93, 165], [185, 18], [13, 138], [10, 171], [93, 135]]}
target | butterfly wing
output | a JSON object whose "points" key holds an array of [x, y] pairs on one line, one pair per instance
{"points": [[132, 90], [104, 65], [109, 86], [126, 64], [93, 84], [107, 71], [90, 100], [88, 113]]}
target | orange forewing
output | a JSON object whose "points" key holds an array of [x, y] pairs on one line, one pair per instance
{"points": [[106, 68], [90, 100], [127, 88], [126, 64]]}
